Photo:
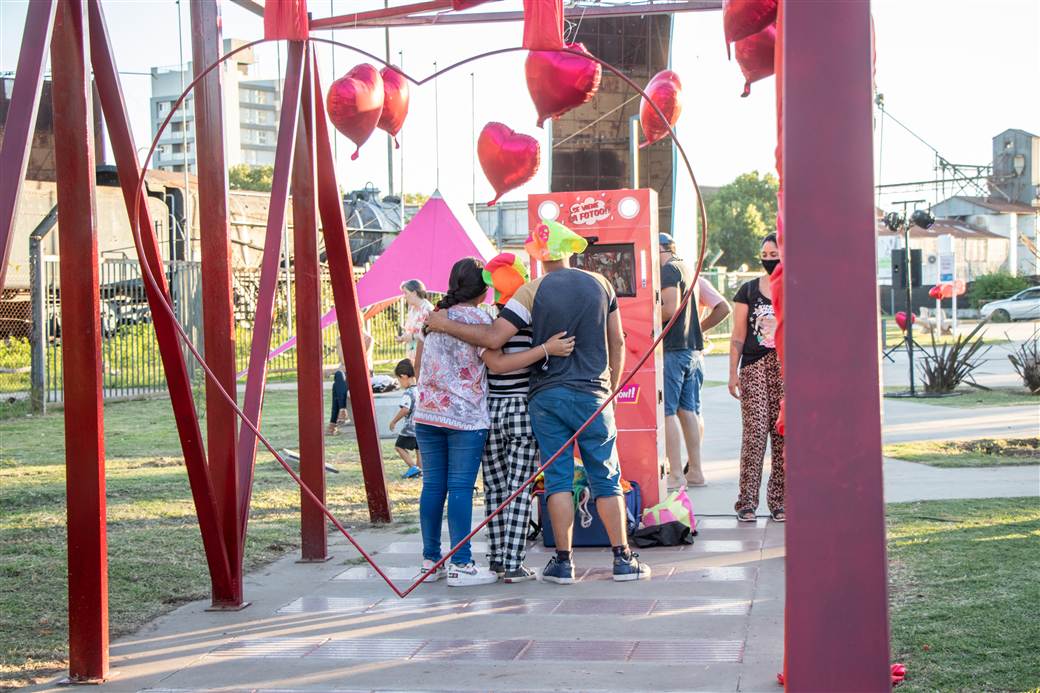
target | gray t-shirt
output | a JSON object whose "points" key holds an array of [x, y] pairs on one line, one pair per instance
{"points": [[408, 399], [578, 303]]}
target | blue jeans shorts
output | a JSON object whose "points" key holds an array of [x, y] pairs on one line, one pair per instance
{"points": [[683, 378], [556, 413]]}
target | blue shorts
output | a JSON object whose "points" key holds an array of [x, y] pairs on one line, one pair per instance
{"points": [[556, 413], [683, 378]]}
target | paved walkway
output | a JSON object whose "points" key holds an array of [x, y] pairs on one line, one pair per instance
{"points": [[710, 620]]}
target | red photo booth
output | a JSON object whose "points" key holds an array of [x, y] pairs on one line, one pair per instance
{"points": [[621, 227]]}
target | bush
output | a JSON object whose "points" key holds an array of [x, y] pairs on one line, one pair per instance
{"points": [[946, 367], [1026, 360], [996, 286]]}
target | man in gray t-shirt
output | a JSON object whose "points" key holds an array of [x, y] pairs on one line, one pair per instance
{"points": [[567, 392]]}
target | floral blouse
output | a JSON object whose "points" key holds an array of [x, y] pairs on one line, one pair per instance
{"points": [[453, 389], [415, 319]]}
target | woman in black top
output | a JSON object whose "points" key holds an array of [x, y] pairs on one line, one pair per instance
{"points": [[755, 379]]}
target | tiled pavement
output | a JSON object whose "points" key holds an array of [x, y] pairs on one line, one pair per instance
{"points": [[709, 620]]}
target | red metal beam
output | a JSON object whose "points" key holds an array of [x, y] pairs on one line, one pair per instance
{"points": [[106, 79], [217, 305], [348, 315], [80, 347], [263, 321], [837, 606], [574, 12], [349, 21], [21, 118], [310, 406]]}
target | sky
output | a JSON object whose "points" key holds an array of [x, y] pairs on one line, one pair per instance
{"points": [[956, 72]]}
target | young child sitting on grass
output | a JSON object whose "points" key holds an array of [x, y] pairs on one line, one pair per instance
{"points": [[406, 444]]}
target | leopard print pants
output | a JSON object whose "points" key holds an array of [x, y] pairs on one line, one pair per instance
{"points": [[761, 389]]}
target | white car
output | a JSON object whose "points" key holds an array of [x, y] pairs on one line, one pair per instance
{"points": [[1025, 305]]}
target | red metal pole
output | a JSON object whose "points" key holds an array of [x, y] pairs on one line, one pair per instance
{"points": [[348, 316], [80, 347], [256, 377], [347, 21], [837, 606], [21, 118], [106, 79], [217, 304], [313, 528]]}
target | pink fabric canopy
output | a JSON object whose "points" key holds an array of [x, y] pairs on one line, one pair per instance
{"points": [[439, 235]]}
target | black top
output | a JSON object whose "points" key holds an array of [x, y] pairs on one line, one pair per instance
{"points": [[761, 323], [686, 331], [578, 303]]}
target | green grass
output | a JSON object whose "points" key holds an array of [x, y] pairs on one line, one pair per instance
{"points": [[156, 560], [974, 397], [991, 334], [964, 593], [985, 452]]}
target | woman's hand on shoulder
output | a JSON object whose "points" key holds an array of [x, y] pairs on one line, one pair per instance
{"points": [[560, 344]]}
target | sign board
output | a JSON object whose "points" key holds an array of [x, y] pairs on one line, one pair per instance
{"points": [[946, 266]]}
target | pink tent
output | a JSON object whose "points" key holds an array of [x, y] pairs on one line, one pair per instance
{"points": [[439, 235]]}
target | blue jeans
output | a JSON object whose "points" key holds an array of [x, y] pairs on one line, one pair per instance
{"points": [[683, 378], [556, 413], [450, 459]]}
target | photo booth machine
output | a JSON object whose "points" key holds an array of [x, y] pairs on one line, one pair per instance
{"points": [[622, 229]]}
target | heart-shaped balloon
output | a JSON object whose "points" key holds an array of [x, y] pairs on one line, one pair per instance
{"points": [[395, 102], [355, 104], [936, 292], [755, 56], [901, 320], [509, 158], [743, 18], [559, 82], [664, 90]]}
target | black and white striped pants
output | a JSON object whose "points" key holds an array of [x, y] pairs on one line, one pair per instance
{"points": [[510, 457]]}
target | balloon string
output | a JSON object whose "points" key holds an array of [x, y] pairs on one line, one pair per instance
{"points": [[167, 306]]}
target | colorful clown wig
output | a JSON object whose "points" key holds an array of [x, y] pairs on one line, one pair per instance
{"points": [[506, 273], [551, 241]]}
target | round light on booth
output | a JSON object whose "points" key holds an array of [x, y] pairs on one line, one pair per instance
{"points": [[628, 208], [548, 210]]}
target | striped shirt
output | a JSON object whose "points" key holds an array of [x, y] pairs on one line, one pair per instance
{"points": [[514, 383]]}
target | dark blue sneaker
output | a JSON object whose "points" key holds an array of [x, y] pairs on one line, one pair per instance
{"points": [[560, 572], [626, 569]]}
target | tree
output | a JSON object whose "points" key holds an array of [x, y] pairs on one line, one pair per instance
{"points": [[740, 214], [246, 177], [415, 199]]}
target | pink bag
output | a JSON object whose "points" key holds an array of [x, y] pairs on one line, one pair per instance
{"points": [[675, 508]]}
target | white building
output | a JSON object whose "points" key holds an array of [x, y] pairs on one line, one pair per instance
{"points": [[250, 114], [1013, 206]]}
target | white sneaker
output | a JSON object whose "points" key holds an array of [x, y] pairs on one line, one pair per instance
{"points": [[470, 574], [427, 566]]}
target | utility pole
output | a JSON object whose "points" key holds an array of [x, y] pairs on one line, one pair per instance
{"points": [[389, 137]]}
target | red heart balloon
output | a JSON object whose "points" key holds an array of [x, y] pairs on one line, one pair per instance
{"points": [[559, 82], [743, 18], [509, 158], [936, 292], [663, 90], [395, 102], [755, 56], [901, 320], [355, 103]]}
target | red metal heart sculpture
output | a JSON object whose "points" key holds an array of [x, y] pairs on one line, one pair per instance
{"points": [[664, 90], [936, 292], [755, 56], [559, 82], [355, 103], [395, 102], [744, 18], [509, 158]]}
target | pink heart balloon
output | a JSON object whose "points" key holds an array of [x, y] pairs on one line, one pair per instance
{"points": [[901, 320], [755, 56], [559, 82], [355, 104], [395, 102], [509, 158], [664, 90]]}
